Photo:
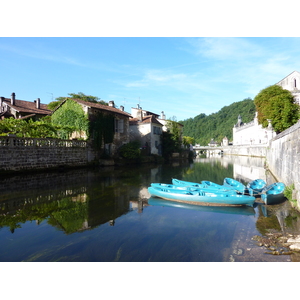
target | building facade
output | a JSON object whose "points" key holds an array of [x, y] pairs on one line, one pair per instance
{"points": [[292, 84], [253, 133]]}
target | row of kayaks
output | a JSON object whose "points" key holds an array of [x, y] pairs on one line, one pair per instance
{"points": [[230, 193]]}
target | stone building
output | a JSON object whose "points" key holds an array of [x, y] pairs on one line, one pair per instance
{"points": [[292, 84], [96, 110], [146, 128], [20, 109]]}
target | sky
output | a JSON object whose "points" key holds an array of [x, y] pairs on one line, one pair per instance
{"points": [[183, 60], [182, 76]]}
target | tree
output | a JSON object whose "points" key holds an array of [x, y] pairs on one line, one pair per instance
{"points": [[278, 105], [52, 105]]}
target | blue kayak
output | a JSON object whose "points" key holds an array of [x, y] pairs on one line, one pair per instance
{"points": [[199, 187], [257, 186], [238, 186], [273, 193], [201, 197], [229, 184]]}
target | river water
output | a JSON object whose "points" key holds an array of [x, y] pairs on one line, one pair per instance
{"points": [[106, 215]]}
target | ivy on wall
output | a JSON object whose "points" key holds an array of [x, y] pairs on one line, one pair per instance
{"points": [[102, 128], [70, 114]]}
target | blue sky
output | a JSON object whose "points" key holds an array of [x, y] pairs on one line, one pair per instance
{"points": [[182, 76]]}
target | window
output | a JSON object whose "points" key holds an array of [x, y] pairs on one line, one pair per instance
{"points": [[119, 125]]}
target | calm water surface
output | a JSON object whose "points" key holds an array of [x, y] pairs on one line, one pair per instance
{"points": [[105, 215]]}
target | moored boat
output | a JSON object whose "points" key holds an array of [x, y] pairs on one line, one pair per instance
{"points": [[201, 197], [257, 186], [273, 193], [198, 187], [229, 182]]}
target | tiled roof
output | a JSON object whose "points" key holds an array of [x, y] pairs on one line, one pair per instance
{"points": [[145, 120], [103, 107], [27, 107]]}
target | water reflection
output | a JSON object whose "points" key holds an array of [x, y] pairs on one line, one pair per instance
{"points": [[106, 215]]}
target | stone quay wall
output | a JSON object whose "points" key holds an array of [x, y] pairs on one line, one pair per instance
{"points": [[20, 154], [282, 155], [246, 150], [283, 158]]}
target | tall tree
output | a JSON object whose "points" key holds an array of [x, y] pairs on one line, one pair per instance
{"points": [[278, 105], [52, 105]]}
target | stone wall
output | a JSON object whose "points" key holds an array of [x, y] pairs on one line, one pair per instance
{"points": [[254, 151], [283, 158], [18, 154]]}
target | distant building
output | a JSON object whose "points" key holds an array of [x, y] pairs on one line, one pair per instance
{"points": [[21, 109], [252, 133], [292, 84], [212, 143]]}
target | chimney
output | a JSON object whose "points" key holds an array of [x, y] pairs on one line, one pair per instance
{"points": [[122, 108], [111, 103], [163, 116], [1, 103], [13, 99], [38, 103], [139, 115]]}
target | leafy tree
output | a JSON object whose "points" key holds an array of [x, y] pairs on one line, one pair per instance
{"points": [[278, 105], [187, 140], [52, 105]]}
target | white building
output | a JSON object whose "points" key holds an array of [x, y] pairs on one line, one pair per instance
{"points": [[145, 128], [253, 133], [292, 84]]}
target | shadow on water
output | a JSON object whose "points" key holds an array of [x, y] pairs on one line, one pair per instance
{"points": [[106, 215]]}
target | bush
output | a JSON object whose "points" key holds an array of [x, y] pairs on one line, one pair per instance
{"points": [[130, 150]]}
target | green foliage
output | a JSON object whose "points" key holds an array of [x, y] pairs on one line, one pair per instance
{"points": [[28, 128], [175, 131], [54, 104], [278, 105], [187, 141], [130, 150], [169, 144], [288, 192], [72, 116], [102, 129], [216, 126]]}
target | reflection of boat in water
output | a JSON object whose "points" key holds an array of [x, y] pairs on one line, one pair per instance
{"points": [[242, 210]]}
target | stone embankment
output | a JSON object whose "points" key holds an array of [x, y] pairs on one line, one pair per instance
{"points": [[282, 157]]}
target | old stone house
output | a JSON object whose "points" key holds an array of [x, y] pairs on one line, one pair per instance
{"points": [[145, 128], [20, 109], [104, 120]]}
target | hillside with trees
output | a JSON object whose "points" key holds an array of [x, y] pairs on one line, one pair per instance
{"points": [[217, 125]]}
